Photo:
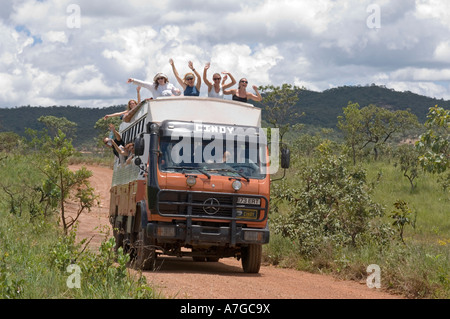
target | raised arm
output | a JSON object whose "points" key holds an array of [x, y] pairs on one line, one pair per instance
{"points": [[254, 97], [233, 80], [138, 91], [112, 128], [199, 78], [177, 76], [205, 78], [144, 84]]}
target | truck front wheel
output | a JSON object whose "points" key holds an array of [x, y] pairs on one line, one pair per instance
{"points": [[251, 258], [146, 252]]}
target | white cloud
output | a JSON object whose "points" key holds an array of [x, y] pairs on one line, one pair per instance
{"points": [[436, 10], [242, 61], [421, 74], [422, 88], [55, 36], [442, 52], [316, 44], [87, 82]]}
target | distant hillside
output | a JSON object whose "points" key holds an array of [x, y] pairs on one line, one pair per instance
{"points": [[19, 118], [321, 109]]}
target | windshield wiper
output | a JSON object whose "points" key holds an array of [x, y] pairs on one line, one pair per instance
{"points": [[232, 171], [190, 168]]}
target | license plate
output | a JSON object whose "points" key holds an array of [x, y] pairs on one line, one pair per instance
{"points": [[249, 201], [247, 213]]}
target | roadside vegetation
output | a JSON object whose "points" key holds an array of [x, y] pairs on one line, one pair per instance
{"points": [[374, 197], [40, 257]]}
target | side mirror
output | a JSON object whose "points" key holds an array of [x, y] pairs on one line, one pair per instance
{"points": [[285, 157], [139, 146], [137, 161]]}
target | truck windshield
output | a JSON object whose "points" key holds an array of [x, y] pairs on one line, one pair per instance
{"points": [[235, 158]]}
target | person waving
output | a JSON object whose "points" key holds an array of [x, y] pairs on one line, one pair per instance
{"points": [[190, 87]]}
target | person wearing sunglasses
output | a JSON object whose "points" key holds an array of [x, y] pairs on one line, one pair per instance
{"points": [[190, 87], [160, 86], [241, 95], [216, 88]]}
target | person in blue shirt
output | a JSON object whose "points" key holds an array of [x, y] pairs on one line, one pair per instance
{"points": [[190, 86]]}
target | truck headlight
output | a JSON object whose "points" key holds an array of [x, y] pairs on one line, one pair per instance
{"points": [[191, 181], [236, 185]]}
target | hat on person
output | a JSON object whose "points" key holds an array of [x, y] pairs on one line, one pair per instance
{"points": [[160, 75]]}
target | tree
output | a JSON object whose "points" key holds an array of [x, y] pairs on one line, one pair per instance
{"points": [[402, 217], [10, 141], [54, 124], [279, 105], [380, 124], [351, 125], [61, 184], [64, 184], [372, 125], [408, 160], [435, 143]]}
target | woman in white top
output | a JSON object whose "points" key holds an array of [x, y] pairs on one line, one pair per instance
{"points": [[159, 87], [215, 89]]}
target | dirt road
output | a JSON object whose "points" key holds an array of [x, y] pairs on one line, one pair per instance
{"points": [[184, 278]]}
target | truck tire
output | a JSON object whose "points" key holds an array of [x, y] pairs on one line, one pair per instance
{"points": [[145, 252], [251, 258], [118, 237]]}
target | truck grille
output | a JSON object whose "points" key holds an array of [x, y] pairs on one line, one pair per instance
{"points": [[207, 205]]}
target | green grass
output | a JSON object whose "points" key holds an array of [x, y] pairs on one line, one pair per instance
{"points": [[428, 200], [35, 253], [420, 268]]}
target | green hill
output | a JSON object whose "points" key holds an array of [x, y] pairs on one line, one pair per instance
{"points": [[321, 109], [19, 118]]}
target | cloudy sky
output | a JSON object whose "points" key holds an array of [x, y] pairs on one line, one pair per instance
{"points": [[69, 52]]}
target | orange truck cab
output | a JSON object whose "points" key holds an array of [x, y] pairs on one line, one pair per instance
{"points": [[199, 184]]}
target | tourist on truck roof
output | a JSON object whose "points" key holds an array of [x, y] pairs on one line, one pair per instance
{"points": [[190, 87], [130, 105], [241, 95], [216, 88], [160, 86]]}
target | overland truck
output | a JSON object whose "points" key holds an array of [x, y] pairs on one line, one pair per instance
{"points": [[199, 183]]}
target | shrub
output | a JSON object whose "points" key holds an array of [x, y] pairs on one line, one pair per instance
{"points": [[332, 207]]}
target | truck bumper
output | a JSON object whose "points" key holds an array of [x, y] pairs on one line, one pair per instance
{"points": [[207, 235]]}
